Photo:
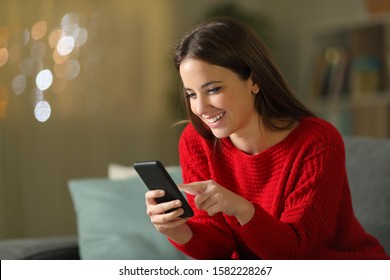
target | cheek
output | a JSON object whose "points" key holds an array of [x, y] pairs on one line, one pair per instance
{"points": [[192, 106], [243, 108]]}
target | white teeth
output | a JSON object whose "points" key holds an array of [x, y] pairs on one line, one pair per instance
{"points": [[216, 118]]}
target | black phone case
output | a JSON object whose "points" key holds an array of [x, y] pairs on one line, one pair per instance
{"points": [[155, 176]]}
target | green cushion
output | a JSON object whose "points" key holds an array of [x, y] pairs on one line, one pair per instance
{"points": [[112, 221]]}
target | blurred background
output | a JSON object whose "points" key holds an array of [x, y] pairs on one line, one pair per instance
{"points": [[86, 83]]}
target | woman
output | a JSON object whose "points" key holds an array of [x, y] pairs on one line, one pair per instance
{"points": [[265, 177]]}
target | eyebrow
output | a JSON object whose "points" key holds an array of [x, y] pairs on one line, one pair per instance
{"points": [[206, 84]]}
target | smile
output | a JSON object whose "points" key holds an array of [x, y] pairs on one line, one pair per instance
{"points": [[215, 118]]}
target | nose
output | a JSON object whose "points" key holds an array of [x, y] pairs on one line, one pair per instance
{"points": [[200, 105]]}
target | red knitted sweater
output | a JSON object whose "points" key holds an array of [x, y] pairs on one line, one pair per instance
{"points": [[300, 191]]}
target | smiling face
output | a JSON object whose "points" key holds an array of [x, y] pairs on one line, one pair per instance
{"points": [[223, 101]]}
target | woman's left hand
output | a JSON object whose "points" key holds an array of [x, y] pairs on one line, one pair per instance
{"points": [[213, 198]]}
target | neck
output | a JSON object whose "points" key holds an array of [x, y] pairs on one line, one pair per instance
{"points": [[253, 140], [258, 139]]}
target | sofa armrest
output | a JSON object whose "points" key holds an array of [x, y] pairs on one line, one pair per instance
{"points": [[50, 248]]}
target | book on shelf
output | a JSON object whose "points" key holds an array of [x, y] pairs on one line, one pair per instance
{"points": [[330, 74], [340, 80], [348, 82], [354, 65], [365, 76], [367, 69]]}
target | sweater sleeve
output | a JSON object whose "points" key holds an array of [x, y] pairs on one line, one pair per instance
{"points": [[310, 211], [212, 237]]}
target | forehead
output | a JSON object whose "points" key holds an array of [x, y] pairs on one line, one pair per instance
{"points": [[195, 72]]}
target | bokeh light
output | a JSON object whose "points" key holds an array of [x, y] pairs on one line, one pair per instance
{"points": [[39, 29], [44, 79], [42, 111], [73, 69], [3, 56], [4, 53], [54, 37], [26, 36], [82, 37], [59, 59], [29, 54], [19, 84], [38, 96], [69, 22], [65, 45], [68, 70], [4, 99]]}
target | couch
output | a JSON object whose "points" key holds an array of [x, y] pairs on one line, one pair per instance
{"points": [[112, 223]]}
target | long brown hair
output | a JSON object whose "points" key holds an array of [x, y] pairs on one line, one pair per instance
{"points": [[229, 43]]}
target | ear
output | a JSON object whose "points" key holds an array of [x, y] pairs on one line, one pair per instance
{"points": [[255, 88]]}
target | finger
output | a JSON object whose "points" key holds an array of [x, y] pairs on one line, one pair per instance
{"points": [[157, 209], [200, 199], [150, 196], [167, 217], [204, 202], [213, 209], [210, 204], [193, 188]]}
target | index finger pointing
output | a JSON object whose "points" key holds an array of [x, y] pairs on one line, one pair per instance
{"points": [[193, 188]]}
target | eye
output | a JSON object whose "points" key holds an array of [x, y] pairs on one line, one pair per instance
{"points": [[213, 90], [190, 94]]}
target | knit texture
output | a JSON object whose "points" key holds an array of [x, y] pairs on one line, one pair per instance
{"points": [[300, 191]]}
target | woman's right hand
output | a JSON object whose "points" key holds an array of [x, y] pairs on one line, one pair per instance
{"points": [[168, 223]]}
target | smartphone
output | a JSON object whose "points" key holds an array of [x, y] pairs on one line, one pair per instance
{"points": [[155, 176]]}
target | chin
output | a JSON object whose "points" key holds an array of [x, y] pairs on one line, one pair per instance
{"points": [[220, 134]]}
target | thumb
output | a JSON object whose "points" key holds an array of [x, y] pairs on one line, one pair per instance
{"points": [[193, 188]]}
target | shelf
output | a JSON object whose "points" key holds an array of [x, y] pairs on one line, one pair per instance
{"points": [[346, 65], [377, 99]]}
